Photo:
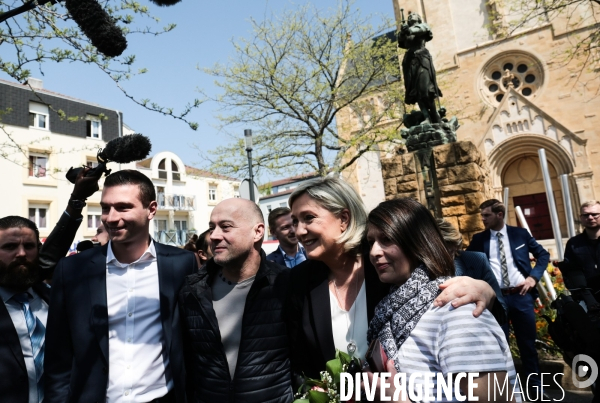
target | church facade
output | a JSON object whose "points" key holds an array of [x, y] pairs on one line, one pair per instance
{"points": [[515, 93]]}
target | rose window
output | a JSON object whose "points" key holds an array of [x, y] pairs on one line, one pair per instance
{"points": [[518, 71]]}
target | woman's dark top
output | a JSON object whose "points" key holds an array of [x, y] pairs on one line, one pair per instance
{"points": [[308, 313]]}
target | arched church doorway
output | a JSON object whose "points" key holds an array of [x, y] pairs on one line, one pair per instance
{"points": [[523, 176]]}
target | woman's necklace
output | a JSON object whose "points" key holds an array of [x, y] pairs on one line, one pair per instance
{"points": [[352, 344]]}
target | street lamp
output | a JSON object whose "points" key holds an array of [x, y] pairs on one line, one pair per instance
{"points": [[248, 138]]}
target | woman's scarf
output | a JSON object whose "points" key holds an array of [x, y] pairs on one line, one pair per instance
{"points": [[399, 312]]}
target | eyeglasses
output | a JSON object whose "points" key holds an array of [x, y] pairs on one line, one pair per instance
{"points": [[592, 215]]}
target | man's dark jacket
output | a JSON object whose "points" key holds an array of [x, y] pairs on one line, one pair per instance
{"points": [[14, 382], [476, 265], [521, 244], [583, 255], [76, 361], [277, 257], [262, 373]]}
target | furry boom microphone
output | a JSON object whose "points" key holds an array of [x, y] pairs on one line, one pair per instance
{"points": [[124, 149], [165, 2], [98, 26], [91, 18]]}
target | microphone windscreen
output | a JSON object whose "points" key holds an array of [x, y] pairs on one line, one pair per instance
{"points": [[165, 2], [134, 147], [98, 26]]}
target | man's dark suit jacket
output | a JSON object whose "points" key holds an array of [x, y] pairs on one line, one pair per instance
{"points": [[521, 244], [14, 383], [476, 265], [277, 257], [76, 367]]}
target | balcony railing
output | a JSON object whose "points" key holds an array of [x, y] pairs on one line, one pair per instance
{"points": [[168, 201], [174, 238]]}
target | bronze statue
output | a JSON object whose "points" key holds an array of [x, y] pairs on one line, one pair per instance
{"points": [[417, 67]]}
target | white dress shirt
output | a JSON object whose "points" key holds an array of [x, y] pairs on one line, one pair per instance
{"points": [[138, 366], [39, 308], [350, 325], [514, 275]]}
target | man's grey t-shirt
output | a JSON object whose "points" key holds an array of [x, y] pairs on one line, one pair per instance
{"points": [[229, 301]]}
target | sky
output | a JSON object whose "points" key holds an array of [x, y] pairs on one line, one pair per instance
{"points": [[202, 38]]}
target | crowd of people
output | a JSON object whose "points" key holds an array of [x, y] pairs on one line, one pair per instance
{"points": [[133, 320]]}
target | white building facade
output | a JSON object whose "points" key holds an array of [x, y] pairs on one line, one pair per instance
{"points": [[186, 196], [43, 134]]}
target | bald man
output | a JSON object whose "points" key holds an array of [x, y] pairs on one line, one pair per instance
{"points": [[235, 337]]}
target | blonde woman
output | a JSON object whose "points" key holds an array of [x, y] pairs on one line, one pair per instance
{"points": [[334, 293]]}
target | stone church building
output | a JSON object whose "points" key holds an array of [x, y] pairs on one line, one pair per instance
{"points": [[513, 94]]}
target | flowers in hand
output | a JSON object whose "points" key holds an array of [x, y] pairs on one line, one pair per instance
{"points": [[326, 390]]}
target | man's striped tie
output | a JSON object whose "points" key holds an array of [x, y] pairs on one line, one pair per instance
{"points": [[503, 265], [37, 335]]}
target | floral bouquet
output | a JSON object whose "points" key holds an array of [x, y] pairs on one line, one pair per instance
{"points": [[326, 390]]}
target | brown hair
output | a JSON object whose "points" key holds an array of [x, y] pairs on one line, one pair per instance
{"points": [[190, 246], [202, 241], [275, 214], [409, 224], [15, 221], [496, 206], [133, 177]]}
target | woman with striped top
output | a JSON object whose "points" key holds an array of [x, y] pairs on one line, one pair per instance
{"points": [[333, 294], [408, 252]]}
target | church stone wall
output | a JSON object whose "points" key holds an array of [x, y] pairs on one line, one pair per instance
{"points": [[463, 181]]}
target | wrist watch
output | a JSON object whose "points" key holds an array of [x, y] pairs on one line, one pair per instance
{"points": [[77, 204]]}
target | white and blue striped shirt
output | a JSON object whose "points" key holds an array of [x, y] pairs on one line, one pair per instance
{"points": [[450, 340]]}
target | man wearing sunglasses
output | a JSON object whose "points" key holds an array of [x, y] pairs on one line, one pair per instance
{"points": [[582, 254]]}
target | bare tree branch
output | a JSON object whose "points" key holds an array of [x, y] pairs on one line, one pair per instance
{"points": [[293, 82], [48, 34]]}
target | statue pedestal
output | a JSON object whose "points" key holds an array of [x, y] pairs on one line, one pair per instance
{"points": [[427, 135], [462, 178]]}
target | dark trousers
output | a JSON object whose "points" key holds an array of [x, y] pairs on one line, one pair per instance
{"points": [[522, 317]]}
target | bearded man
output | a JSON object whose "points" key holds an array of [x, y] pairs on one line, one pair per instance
{"points": [[25, 296], [23, 312]]}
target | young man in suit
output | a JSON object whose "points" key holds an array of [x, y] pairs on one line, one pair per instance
{"points": [[113, 329], [508, 250], [289, 253]]}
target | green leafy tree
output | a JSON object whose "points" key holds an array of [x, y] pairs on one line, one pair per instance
{"points": [[318, 88], [47, 33]]}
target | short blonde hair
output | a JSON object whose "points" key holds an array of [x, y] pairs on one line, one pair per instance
{"points": [[335, 195], [589, 203]]}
